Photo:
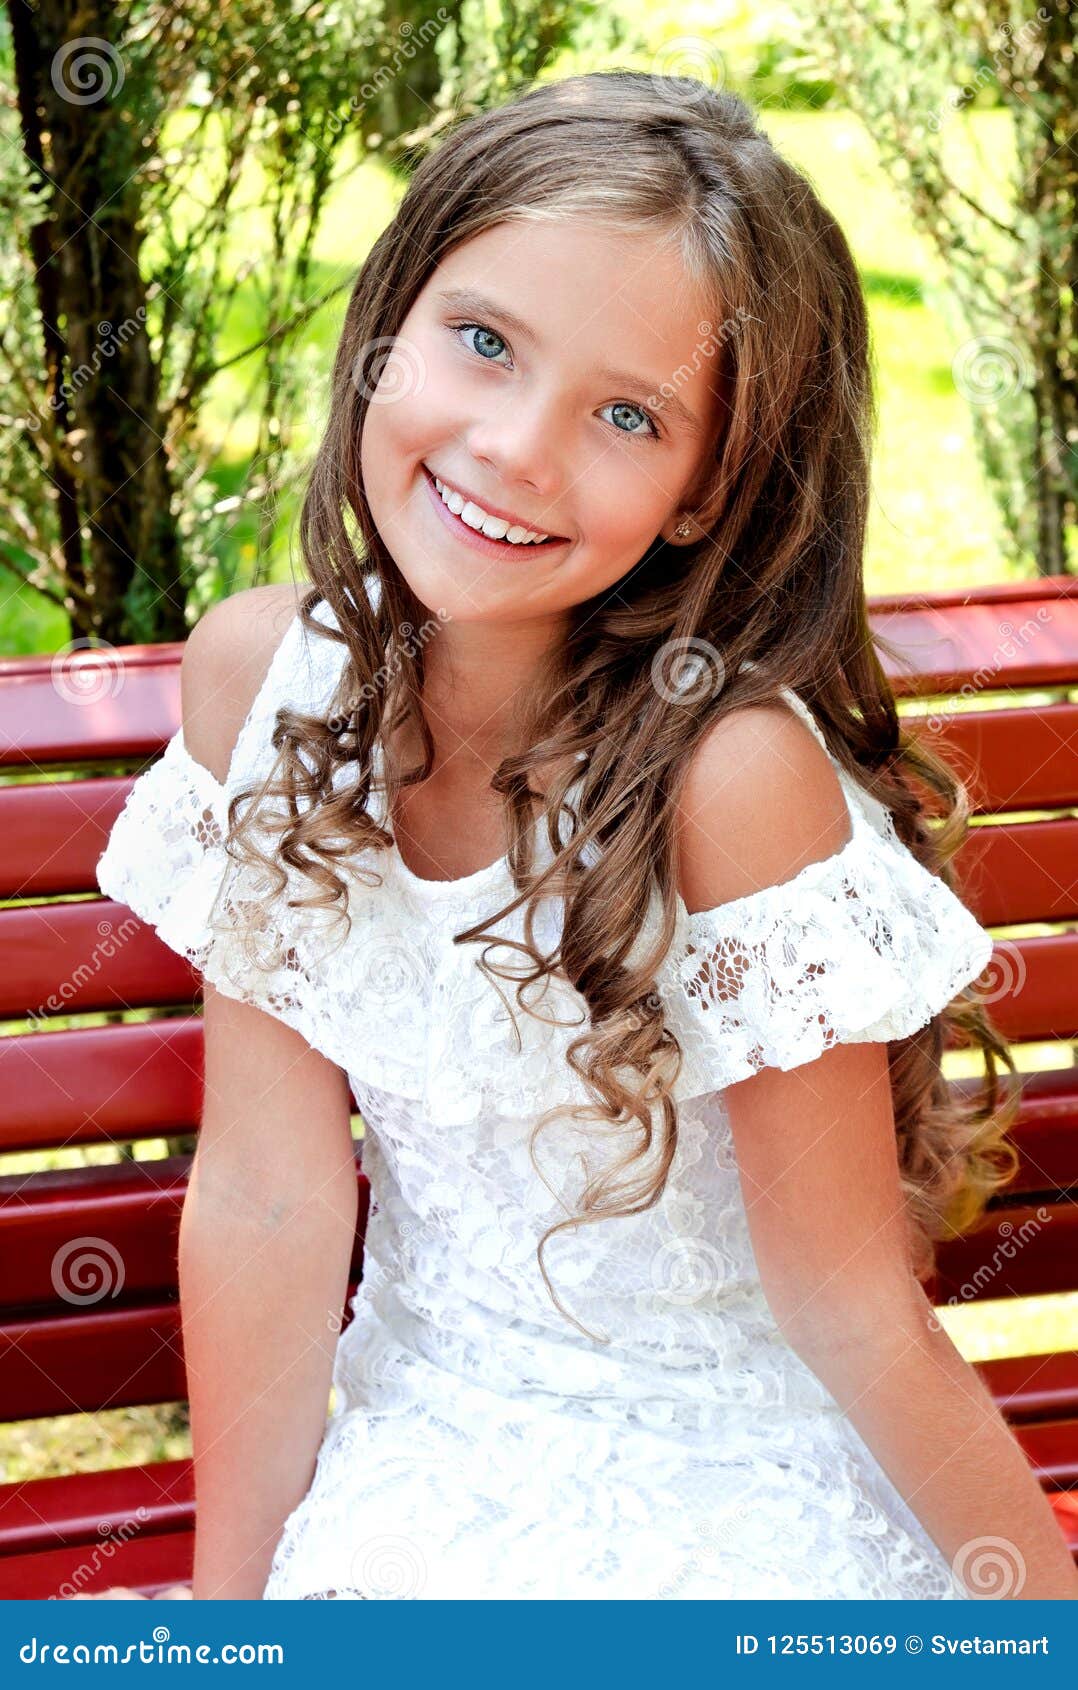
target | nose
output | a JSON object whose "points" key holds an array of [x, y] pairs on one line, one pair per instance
{"points": [[522, 440]]}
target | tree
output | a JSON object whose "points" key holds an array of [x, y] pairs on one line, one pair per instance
{"points": [[910, 68]]}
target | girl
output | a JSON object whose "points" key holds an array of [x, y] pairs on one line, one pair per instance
{"points": [[566, 822]]}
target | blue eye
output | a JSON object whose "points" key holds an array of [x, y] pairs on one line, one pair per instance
{"points": [[623, 405], [465, 328], [652, 432]]}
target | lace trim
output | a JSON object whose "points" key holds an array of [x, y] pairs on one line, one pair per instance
{"points": [[863, 945]]}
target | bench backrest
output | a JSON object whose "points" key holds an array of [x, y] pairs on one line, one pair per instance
{"points": [[89, 1316]]}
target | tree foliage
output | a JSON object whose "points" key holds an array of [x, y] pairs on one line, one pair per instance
{"points": [[1005, 234]]}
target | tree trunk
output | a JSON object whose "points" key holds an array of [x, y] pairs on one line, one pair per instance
{"points": [[134, 581], [1050, 179]]}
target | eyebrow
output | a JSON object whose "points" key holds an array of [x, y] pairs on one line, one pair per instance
{"points": [[468, 299]]}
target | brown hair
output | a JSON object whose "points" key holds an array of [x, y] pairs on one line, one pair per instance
{"points": [[775, 579]]}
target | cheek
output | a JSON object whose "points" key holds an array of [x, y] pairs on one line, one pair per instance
{"points": [[625, 499], [384, 430], [406, 411], [394, 438]]}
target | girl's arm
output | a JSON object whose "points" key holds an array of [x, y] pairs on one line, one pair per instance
{"points": [[268, 1224], [265, 1241], [815, 1149], [818, 1162]]}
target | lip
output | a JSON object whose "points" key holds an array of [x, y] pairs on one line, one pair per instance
{"points": [[483, 542]]}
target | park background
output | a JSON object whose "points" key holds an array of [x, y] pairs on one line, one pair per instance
{"points": [[181, 223]]}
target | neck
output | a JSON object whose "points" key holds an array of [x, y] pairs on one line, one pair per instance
{"points": [[476, 690]]}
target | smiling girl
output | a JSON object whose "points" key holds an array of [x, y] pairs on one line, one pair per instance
{"points": [[565, 822]]}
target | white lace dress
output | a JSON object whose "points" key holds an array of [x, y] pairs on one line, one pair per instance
{"points": [[480, 1445]]}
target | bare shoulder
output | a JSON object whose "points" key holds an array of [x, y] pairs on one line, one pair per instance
{"points": [[225, 660], [761, 799]]}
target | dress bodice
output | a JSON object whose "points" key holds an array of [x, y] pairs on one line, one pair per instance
{"points": [[863, 945]]}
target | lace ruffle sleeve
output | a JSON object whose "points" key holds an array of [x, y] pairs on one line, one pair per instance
{"points": [[864, 945], [166, 858]]}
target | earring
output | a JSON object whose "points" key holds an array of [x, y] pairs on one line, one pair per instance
{"points": [[683, 530]]}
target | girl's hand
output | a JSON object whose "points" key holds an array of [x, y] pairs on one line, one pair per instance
{"points": [[121, 1592]]}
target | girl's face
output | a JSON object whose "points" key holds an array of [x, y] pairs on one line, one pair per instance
{"points": [[568, 388]]}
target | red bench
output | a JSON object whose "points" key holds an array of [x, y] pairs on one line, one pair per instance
{"points": [[89, 1313]]}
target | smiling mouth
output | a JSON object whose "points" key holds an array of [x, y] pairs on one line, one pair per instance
{"points": [[471, 529]]}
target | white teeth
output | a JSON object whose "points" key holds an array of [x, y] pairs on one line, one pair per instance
{"points": [[495, 527]]}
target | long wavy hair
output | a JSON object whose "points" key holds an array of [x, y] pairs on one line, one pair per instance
{"points": [[774, 580]]}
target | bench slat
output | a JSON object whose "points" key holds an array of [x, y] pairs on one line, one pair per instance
{"points": [[108, 1358], [55, 831], [1051, 1448], [1045, 1134], [89, 1085], [147, 1564], [97, 955], [1024, 757], [129, 1211], [967, 644], [158, 1500], [124, 1218], [1013, 872], [85, 1363], [1036, 589], [70, 1510], [90, 707], [62, 959], [1036, 1387], [1025, 1251], [1031, 994]]}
